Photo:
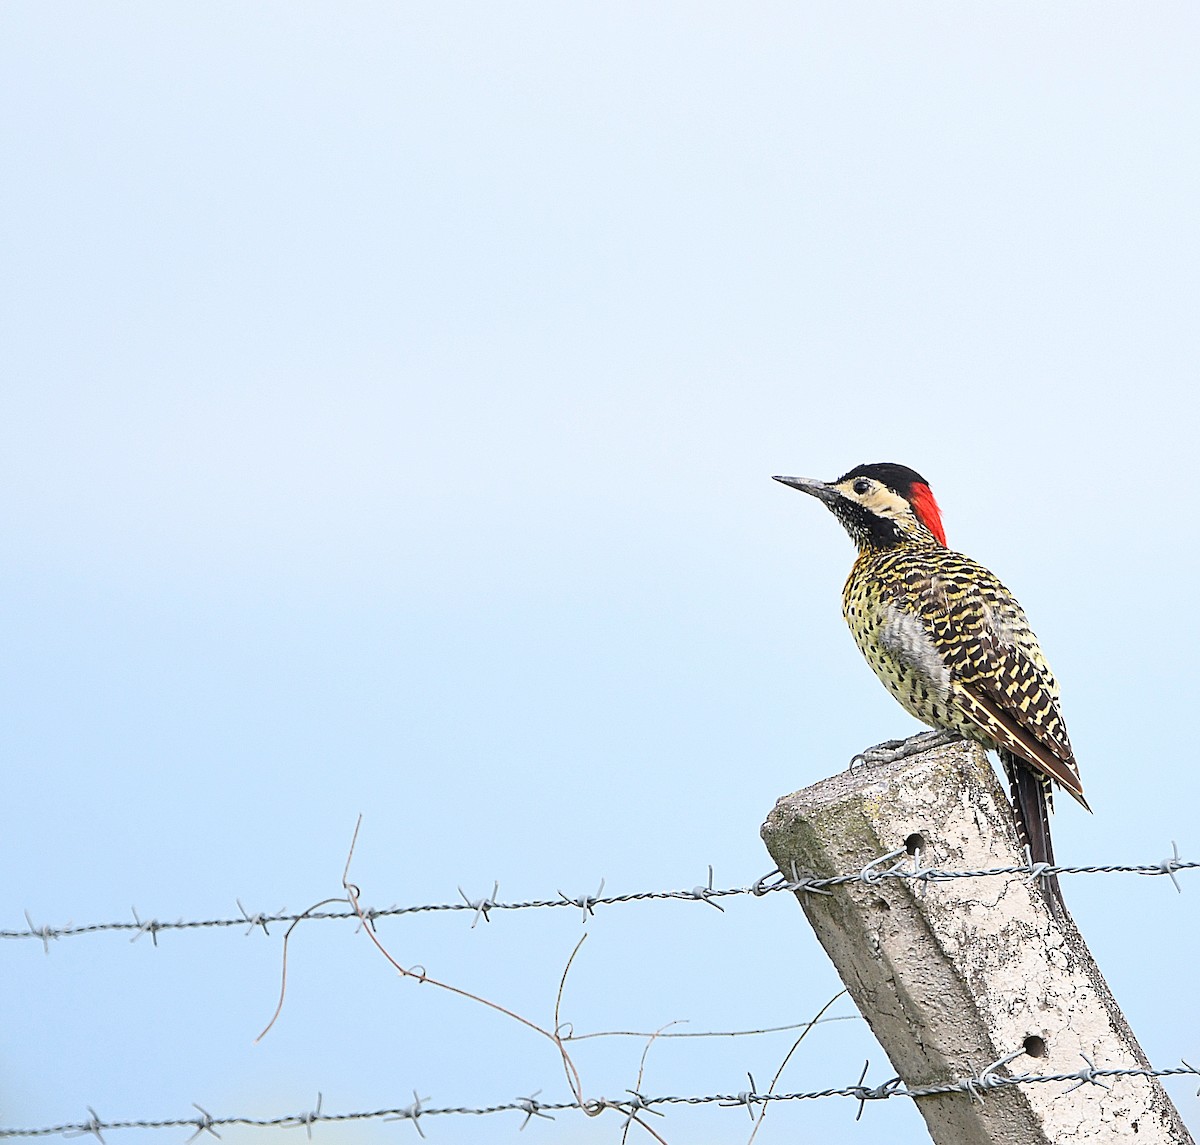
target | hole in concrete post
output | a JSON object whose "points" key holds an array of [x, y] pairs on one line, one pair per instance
{"points": [[914, 843], [1035, 1047]]}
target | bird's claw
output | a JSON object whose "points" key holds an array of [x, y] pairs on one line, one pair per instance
{"points": [[892, 750], [884, 752]]}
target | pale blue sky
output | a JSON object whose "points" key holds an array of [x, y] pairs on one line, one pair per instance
{"points": [[391, 395]]}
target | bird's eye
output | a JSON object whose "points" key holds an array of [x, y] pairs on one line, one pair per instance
{"points": [[862, 485]]}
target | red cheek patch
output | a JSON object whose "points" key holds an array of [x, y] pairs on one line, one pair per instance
{"points": [[926, 508]]}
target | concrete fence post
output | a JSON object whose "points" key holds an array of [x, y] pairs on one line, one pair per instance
{"points": [[953, 976]]}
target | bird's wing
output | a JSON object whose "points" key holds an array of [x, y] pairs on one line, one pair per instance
{"points": [[1005, 727], [996, 668]]}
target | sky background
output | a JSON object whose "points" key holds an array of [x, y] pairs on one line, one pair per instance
{"points": [[390, 396]]}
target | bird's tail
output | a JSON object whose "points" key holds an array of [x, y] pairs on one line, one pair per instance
{"points": [[1031, 810]]}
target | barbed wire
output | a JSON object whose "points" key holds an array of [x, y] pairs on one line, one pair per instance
{"points": [[630, 1106], [897, 864], [481, 908]]}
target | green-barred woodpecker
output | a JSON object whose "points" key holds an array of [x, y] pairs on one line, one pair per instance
{"points": [[949, 641]]}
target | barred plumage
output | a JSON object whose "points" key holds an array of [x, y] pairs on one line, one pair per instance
{"points": [[948, 640]]}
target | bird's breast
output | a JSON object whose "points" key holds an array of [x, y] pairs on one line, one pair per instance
{"points": [[881, 605]]}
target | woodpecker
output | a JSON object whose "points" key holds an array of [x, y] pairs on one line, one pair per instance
{"points": [[950, 642]]}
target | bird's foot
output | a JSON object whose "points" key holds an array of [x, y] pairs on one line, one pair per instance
{"points": [[893, 749]]}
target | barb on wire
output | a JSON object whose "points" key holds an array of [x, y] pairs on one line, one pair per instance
{"points": [[45, 933], [203, 1123], [635, 1104], [705, 893], [1087, 1076], [92, 1127], [866, 1093], [151, 927], [1170, 866], [413, 1113], [479, 906], [254, 920], [306, 1119], [586, 902], [533, 1108], [482, 907], [747, 1097]]}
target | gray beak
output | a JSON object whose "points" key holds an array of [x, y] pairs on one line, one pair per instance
{"points": [[813, 487]]}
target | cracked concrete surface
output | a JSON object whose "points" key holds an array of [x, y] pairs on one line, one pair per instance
{"points": [[956, 975]]}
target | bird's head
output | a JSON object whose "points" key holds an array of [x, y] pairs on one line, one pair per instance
{"points": [[879, 505]]}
